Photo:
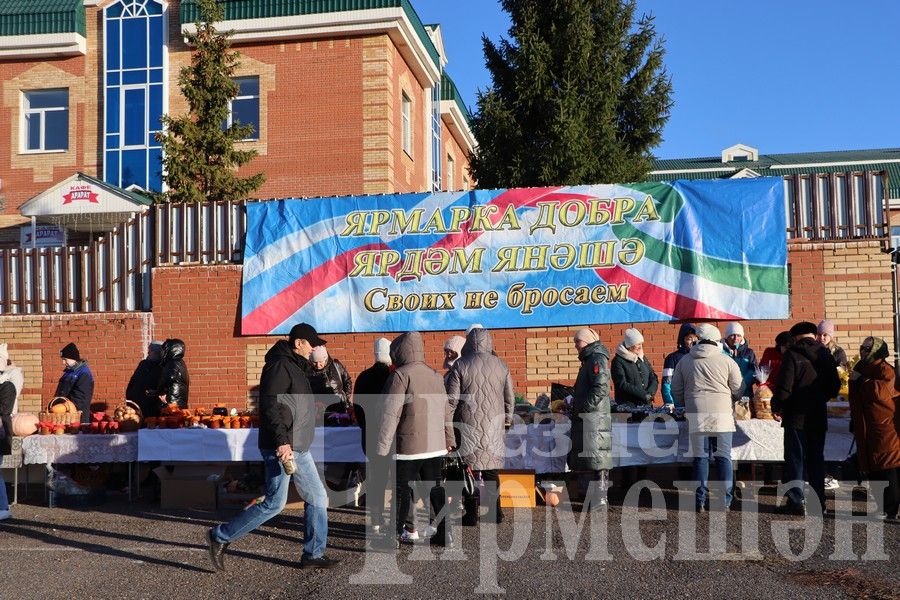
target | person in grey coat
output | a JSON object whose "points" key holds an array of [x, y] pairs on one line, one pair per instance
{"points": [[591, 452], [480, 393], [706, 382], [416, 427]]}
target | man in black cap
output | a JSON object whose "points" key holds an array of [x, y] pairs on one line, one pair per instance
{"points": [[807, 379], [286, 429], [77, 381]]}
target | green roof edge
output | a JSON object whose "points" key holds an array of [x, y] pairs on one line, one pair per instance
{"points": [[69, 17], [253, 9], [449, 91]]}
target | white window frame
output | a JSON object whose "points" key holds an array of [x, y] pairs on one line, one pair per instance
{"points": [[451, 167], [229, 121], [406, 123], [27, 111]]}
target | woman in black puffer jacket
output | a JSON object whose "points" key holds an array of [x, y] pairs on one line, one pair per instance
{"points": [[174, 381]]}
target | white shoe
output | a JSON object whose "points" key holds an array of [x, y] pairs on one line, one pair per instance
{"points": [[5, 514], [409, 536], [831, 483], [429, 531]]}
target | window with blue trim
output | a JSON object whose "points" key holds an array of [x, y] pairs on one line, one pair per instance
{"points": [[134, 51]]}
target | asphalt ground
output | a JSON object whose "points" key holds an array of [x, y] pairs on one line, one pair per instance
{"points": [[628, 550]]}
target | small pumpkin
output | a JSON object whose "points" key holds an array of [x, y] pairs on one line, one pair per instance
{"points": [[24, 424]]}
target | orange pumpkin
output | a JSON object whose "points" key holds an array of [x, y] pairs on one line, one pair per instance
{"points": [[58, 408]]}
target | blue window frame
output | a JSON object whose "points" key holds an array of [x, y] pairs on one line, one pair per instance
{"points": [[134, 49]]}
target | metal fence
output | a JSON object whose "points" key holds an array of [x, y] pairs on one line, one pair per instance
{"points": [[837, 206], [113, 273], [110, 274]]}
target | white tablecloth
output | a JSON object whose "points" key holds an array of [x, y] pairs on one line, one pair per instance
{"points": [[80, 448], [331, 444], [543, 448]]}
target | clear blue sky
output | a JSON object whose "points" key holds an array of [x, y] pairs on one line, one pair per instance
{"points": [[780, 75]]}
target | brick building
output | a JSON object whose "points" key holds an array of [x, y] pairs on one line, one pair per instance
{"points": [[345, 97], [350, 99]]}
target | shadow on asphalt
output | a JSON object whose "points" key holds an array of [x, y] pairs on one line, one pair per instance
{"points": [[47, 538]]}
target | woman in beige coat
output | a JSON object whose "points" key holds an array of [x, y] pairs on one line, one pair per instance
{"points": [[706, 381]]}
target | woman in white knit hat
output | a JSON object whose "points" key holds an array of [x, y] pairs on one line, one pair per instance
{"points": [[634, 378], [736, 346]]}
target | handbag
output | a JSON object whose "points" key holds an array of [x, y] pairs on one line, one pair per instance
{"points": [[456, 469]]}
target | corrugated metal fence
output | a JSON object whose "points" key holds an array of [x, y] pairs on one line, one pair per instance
{"points": [[114, 272]]}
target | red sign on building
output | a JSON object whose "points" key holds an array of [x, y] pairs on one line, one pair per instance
{"points": [[81, 193]]}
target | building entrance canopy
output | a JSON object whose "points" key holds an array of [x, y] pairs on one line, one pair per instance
{"points": [[84, 203]]}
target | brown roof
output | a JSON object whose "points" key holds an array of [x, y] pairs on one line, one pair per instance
{"points": [[13, 221]]}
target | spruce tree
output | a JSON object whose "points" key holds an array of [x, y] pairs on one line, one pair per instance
{"points": [[199, 155], [579, 95]]}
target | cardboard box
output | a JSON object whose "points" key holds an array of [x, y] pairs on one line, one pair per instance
{"points": [[189, 486], [517, 489]]}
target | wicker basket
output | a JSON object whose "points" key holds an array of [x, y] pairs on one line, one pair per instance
{"points": [[128, 425], [71, 414]]}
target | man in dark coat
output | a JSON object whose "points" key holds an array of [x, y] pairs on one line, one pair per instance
{"points": [[174, 381], [286, 431], [687, 337], [77, 381], [591, 452], [145, 380], [807, 379], [368, 402]]}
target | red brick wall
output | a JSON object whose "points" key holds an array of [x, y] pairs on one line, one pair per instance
{"points": [[201, 305], [315, 118], [113, 344]]}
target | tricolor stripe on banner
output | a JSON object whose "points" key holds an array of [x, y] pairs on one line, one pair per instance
{"points": [[691, 267]]}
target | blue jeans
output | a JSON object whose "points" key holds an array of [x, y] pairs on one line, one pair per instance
{"points": [[804, 460], [4, 499], [315, 510], [715, 446]]}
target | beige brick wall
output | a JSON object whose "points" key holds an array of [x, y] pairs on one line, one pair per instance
{"points": [[858, 292], [23, 337], [551, 358], [256, 354], [378, 115]]}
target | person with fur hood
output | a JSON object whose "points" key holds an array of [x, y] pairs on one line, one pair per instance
{"points": [[12, 380], [634, 378]]}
